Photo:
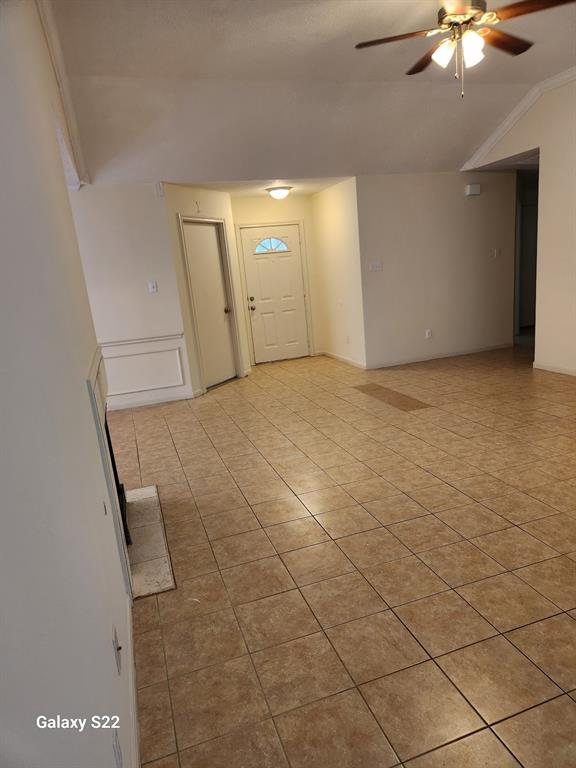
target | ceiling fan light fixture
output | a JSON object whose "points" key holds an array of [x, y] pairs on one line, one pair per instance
{"points": [[472, 48], [444, 53], [278, 193], [457, 20]]}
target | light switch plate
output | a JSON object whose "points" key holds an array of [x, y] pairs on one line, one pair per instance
{"points": [[152, 287]]}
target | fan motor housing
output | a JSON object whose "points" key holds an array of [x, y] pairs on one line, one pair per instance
{"points": [[455, 12]]}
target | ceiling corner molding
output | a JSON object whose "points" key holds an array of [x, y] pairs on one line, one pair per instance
{"points": [[75, 156], [563, 78]]}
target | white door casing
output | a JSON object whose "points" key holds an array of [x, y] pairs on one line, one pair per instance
{"points": [[211, 304], [275, 292]]}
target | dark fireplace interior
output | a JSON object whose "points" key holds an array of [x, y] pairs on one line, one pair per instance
{"points": [[119, 488]]}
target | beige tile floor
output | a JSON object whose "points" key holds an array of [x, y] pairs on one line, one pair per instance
{"points": [[360, 585]]}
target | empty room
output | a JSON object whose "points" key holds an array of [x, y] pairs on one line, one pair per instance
{"points": [[288, 384]]}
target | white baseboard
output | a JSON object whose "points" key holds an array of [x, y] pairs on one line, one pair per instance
{"points": [[151, 397], [441, 356], [341, 358], [554, 369]]}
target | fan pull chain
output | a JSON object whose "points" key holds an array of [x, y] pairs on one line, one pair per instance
{"points": [[459, 57], [462, 68], [457, 62]]}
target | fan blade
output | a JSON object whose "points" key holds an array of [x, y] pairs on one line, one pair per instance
{"points": [[505, 42], [406, 36], [527, 6], [424, 62]]}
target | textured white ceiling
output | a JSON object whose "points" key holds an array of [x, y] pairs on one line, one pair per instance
{"points": [[220, 90]]}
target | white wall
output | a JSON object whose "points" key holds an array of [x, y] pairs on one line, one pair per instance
{"points": [[61, 587], [339, 326], [208, 204], [265, 210], [129, 236], [435, 249], [125, 244], [550, 124]]}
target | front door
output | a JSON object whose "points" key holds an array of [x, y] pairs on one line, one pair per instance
{"points": [[211, 306], [275, 286]]}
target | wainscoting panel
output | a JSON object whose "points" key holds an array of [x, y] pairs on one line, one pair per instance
{"points": [[146, 371]]}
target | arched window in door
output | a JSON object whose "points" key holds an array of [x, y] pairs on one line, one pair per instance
{"points": [[271, 245]]}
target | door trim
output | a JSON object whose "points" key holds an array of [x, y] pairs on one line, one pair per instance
{"points": [[305, 267], [220, 225]]}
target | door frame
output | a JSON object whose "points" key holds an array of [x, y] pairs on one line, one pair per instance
{"points": [[305, 268], [220, 225]]}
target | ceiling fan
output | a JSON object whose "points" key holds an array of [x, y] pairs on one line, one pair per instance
{"points": [[467, 27]]}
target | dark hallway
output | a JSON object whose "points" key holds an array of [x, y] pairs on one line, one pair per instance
{"points": [[526, 258]]}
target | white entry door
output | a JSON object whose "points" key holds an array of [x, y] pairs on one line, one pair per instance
{"points": [[211, 307], [275, 292]]}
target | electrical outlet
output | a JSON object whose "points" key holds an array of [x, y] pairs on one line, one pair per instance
{"points": [[347, 339], [428, 333]]}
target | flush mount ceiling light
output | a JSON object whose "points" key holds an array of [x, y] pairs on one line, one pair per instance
{"points": [[458, 20], [278, 193]]}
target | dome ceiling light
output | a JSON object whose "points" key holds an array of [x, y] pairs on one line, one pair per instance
{"points": [[279, 193]]}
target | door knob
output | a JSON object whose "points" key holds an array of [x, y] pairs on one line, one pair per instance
{"points": [[250, 298], [226, 310], [252, 308]]}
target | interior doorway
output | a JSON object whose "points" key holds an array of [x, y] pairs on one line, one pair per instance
{"points": [[211, 299], [275, 291], [526, 258]]}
